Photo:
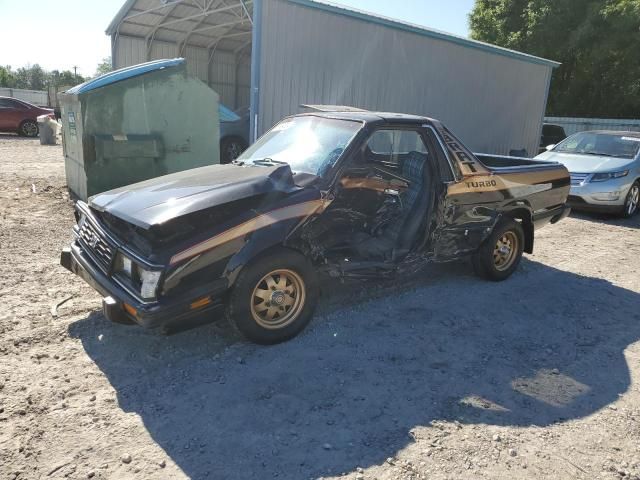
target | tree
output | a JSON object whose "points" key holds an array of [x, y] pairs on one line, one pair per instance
{"points": [[7, 77], [67, 78], [103, 67], [34, 77], [597, 42]]}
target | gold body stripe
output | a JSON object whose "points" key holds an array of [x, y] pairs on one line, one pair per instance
{"points": [[492, 183], [261, 221]]}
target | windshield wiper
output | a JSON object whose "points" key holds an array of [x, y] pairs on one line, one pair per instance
{"points": [[603, 154], [269, 162]]}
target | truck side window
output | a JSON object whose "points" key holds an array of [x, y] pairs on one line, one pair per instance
{"points": [[391, 147]]}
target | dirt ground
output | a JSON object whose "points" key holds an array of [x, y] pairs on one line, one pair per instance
{"points": [[442, 376]]}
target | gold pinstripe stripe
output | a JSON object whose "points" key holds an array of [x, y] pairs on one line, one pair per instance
{"points": [[261, 221], [492, 183]]}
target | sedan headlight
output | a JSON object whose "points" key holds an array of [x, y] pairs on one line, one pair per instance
{"points": [[603, 177], [143, 280]]}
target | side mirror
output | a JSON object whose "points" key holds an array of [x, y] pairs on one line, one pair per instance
{"points": [[550, 147]]}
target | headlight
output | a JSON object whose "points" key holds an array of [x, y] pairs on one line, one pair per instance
{"points": [[143, 280], [124, 265], [150, 279], [603, 177]]}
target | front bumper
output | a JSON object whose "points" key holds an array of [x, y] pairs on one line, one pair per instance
{"points": [[170, 315], [608, 196]]}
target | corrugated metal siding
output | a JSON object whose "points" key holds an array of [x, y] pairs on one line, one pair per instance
{"points": [[494, 103], [129, 51], [223, 74], [574, 125]]}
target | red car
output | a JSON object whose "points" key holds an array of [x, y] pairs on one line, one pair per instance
{"points": [[21, 117]]}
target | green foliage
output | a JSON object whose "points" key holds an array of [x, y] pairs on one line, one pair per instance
{"points": [[34, 77], [7, 77], [103, 67], [597, 41]]}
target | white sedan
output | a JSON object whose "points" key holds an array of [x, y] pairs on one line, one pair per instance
{"points": [[605, 170]]}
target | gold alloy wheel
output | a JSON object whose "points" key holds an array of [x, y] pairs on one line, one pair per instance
{"points": [[278, 299], [505, 251]]}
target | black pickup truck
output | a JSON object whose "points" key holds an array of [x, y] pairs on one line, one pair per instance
{"points": [[342, 194]]}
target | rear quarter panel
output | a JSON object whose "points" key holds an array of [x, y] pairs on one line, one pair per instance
{"points": [[480, 195]]}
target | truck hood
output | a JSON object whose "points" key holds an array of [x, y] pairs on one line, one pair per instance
{"points": [[153, 202], [586, 163]]}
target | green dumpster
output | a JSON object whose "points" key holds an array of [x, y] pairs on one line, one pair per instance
{"points": [[137, 123]]}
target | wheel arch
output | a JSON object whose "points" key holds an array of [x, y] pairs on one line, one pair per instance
{"points": [[262, 243], [525, 217]]}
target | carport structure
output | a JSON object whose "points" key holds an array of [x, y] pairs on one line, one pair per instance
{"points": [[207, 33], [275, 55]]}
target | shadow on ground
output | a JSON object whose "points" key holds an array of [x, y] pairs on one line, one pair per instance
{"points": [[608, 219], [15, 136], [546, 346]]}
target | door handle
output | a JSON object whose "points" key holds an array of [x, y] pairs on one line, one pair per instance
{"points": [[391, 191]]}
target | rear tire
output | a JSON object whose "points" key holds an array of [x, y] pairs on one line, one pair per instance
{"points": [[274, 298], [500, 254], [28, 128], [632, 202]]}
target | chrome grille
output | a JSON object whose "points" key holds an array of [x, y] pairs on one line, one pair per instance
{"points": [[578, 179], [96, 244]]}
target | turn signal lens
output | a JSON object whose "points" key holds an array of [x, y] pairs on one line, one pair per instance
{"points": [[130, 310], [201, 303]]}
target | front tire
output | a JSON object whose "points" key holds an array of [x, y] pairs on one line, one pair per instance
{"points": [[28, 128], [632, 202], [499, 256], [274, 298]]}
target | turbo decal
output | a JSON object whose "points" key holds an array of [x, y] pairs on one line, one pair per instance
{"points": [[261, 221], [487, 183], [493, 183]]}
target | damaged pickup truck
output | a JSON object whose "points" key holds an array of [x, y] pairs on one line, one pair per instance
{"points": [[344, 194]]}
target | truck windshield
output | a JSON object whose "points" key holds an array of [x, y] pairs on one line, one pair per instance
{"points": [[308, 144], [601, 144]]}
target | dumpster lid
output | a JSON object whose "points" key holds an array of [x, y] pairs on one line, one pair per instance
{"points": [[123, 74]]}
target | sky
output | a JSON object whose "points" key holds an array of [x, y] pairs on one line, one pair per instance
{"points": [[61, 34]]}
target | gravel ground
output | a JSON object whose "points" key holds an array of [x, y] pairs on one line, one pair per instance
{"points": [[440, 376]]}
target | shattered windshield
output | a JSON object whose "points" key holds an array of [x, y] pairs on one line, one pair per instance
{"points": [[308, 144], [601, 144]]}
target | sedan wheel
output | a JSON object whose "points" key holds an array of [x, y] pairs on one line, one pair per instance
{"points": [[633, 201], [29, 128]]}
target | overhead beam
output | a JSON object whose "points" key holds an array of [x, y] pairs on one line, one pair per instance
{"points": [[220, 25], [183, 43], [191, 17], [150, 10], [151, 35]]}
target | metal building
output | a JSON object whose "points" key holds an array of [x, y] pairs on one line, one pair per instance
{"points": [[274, 55]]}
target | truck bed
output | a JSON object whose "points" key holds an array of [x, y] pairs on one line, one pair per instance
{"points": [[502, 161]]}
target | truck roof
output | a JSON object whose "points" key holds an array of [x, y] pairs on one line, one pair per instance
{"points": [[371, 117]]}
